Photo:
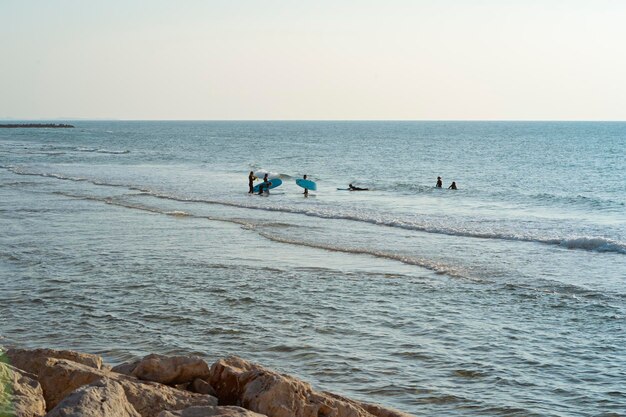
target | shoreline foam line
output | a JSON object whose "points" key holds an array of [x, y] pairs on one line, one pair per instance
{"points": [[438, 268], [588, 243]]}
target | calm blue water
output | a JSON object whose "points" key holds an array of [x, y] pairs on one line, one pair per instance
{"points": [[506, 297]]}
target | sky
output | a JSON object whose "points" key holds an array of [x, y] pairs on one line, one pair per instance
{"points": [[313, 60]]}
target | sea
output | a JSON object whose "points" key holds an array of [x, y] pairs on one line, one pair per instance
{"points": [[505, 297]]}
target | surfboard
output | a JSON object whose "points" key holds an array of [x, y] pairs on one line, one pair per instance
{"points": [[309, 185], [273, 182]]}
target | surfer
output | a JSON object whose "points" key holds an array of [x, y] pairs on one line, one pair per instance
{"points": [[439, 183], [353, 188], [251, 179], [265, 188], [265, 185], [452, 186], [306, 190]]}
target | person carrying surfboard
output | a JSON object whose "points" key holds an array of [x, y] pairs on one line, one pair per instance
{"points": [[251, 179], [306, 190], [265, 185], [307, 184]]}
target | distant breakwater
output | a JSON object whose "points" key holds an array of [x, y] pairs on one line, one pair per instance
{"points": [[35, 125]]}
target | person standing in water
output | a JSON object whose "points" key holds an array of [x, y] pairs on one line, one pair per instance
{"points": [[265, 185], [251, 179], [439, 183], [452, 186], [306, 190]]}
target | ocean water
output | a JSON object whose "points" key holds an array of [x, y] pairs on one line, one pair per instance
{"points": [[506, 297]]}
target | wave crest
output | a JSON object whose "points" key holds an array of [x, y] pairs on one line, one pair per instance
{"points": [[96, 150], [596, 244], [589, 243]]}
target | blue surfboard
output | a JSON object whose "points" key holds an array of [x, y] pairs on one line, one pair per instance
{"points": [[273, 182], [309, 185]]}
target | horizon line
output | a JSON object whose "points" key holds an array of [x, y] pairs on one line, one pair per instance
{"points": [[13, 120]]}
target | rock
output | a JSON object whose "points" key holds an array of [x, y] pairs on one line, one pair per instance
{"points": [[20, 393], [171, 370], [150, 398], [228, 411], [202, 387], [18, 357], [125, 368], [228, 377], [105, 398], [374, 409], [58, 378], [238, 382]]}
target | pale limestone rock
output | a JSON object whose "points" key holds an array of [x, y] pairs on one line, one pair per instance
{"points": [[226, 411], [150, 398], [59, 378], [20, 393], [171, 370], [374, 409], [19, 356], [202, 387], [104, 398], [238, 382], [125, 368]]}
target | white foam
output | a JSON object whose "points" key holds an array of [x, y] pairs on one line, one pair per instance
{"points": [[597, 244], [109, 151], [589, 243]]}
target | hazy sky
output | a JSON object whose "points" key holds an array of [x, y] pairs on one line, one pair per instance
{"points": [[339, 59]]}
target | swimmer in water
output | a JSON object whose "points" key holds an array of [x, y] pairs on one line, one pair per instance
{"points": [[353, 188]]}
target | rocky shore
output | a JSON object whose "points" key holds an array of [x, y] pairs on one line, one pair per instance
{"points": [[58, 383]]}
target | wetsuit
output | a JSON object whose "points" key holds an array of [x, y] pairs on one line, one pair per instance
{"points": [[251, 179], [264, 185]]}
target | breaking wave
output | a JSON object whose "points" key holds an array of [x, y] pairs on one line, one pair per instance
{"points": [[588, 243], [96, 150], [437, 267]]}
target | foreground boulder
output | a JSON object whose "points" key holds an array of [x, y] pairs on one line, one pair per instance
{"points": [[105, 398], [227, 411], [59, 378], [125, 368], [202, 387], [71, 384], [374, 409], [21, 358], [20, 393], [242, 383], [171, 370], [150, 398]]}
